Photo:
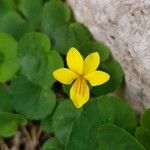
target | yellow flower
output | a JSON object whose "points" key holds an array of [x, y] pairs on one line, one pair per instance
{"points": [[81, 71]]}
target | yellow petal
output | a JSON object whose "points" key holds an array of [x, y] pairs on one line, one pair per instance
{"points": [[91, 62], [75, 61], [79, 92], [97, 77], [64, 75]]}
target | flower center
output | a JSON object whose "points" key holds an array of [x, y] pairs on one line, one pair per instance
{"points": [[81, 77]]}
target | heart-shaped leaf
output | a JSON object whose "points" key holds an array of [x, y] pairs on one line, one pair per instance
{"points": [[63, 119], [143, 133], [55, 15], [68, 36], [5, 99], [32, 11], [111, 137], [143, 136], [5, 6], [55, 62], [31, 100], [37, 61], [9, 63], [52, 144], [46, 124], [96, 113], [9, 123], [113, 68], [12, 23], [88, 47]]}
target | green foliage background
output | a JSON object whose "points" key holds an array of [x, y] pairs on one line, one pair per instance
{"points": [[34, 39]]}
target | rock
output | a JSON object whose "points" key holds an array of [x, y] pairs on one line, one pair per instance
{"points": [[125, 27]]}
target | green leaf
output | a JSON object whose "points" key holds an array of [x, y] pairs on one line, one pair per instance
{"points": [[55, 23], [55, 15], [145, 119], [31, 100], [52, 144], [66, 37], [5, 6], [59, 39], [80, 32], [63, 119], [77, 34], [5, 99], [34, 50], [115, 138], [46, 124], [55, 62], [143, 136], [99, 112], [113, 68], [32, 11], [88, 47], [13, 24], [9, 63], [109, 137], [9, 123], [143, 133]]}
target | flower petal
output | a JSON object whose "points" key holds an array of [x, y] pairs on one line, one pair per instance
{"points": [[91, 62], [75, 60], [64, 75], [79, 92], [97, 77]]}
